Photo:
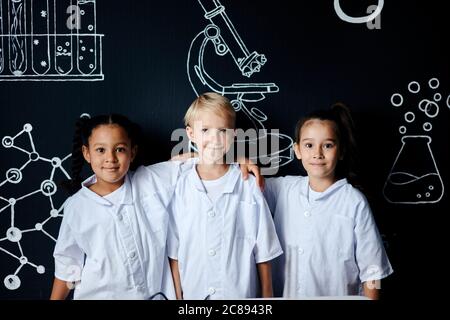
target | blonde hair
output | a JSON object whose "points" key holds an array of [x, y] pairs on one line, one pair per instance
{"points": [[213, 102]]}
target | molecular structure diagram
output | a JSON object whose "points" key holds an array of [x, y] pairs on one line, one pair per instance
{"points": [[47, 188]]}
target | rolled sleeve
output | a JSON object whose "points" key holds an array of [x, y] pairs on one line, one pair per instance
{"points": [[172, 234], [69, 258], [371, 257], [267, 244]]}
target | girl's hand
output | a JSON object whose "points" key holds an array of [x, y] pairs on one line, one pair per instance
{"points": [[247, 166]]}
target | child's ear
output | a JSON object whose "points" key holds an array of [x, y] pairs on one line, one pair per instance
{"points": [[296, 148], [86, 154], [190, 133]]}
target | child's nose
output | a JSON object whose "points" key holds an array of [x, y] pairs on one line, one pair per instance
{"points": [[214, 135], [318, 154], [111, 156]]}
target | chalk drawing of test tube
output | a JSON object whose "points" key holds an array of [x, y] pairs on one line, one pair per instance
{"points": [[87, 38], [40, 36], [221, 35], [63, 37], [2, 63], [17, 37]]}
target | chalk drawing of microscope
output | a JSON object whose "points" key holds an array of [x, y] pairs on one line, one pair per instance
{"points": [[49, 40], [221, 35]]}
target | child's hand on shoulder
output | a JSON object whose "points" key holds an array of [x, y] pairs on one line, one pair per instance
{"points": [[246, 165]]}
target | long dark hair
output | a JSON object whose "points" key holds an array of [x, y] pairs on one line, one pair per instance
{"points": [[344, 128], [83, 130]]}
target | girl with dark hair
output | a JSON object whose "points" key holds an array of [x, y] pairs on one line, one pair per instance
{"points": [[325, 225], [106, 237], [80, 148]]}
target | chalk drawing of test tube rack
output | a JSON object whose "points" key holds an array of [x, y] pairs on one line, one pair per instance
{"points": [[49, 40], [221, 35]]}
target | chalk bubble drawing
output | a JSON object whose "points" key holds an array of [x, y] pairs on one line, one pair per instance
{"points": [[221, 35], [343, 16], [45, 40], [418, 181], [47, 188]]}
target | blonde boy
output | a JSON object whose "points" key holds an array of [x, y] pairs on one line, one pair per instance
{"points": [[221, 233]]}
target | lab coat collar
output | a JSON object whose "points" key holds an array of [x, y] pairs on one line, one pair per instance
{"points": [[331, 189], [127, 200]]}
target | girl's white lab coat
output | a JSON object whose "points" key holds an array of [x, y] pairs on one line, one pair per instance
{"points": [[330, 245], [118, 252]]}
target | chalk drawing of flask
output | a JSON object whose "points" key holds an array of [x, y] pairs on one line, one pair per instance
{"points": [[414, 177]]}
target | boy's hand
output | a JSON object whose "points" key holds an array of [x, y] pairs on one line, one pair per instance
{"points": [[246, 166]]}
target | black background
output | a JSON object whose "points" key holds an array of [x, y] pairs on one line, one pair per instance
{"points": [[314, 57]]}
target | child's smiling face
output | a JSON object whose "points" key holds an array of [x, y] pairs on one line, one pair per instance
{"points": [[109, 153], [318, 149], [213, 134]]}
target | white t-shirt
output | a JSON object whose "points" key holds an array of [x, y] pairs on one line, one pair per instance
{"points": [[214, 188], [313, 195], [116, 197], [331, 244]]}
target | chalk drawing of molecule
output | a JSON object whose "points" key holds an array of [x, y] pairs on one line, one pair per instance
{"points": [[47, 188]]}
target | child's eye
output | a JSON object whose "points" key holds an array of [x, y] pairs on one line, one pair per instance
{"points": [[308, 145], [120, 149], [204, 130], [223, 130], [100, 150], [328, 145]]}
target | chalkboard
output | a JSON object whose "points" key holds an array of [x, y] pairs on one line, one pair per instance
{"points": [[387, 60]]}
